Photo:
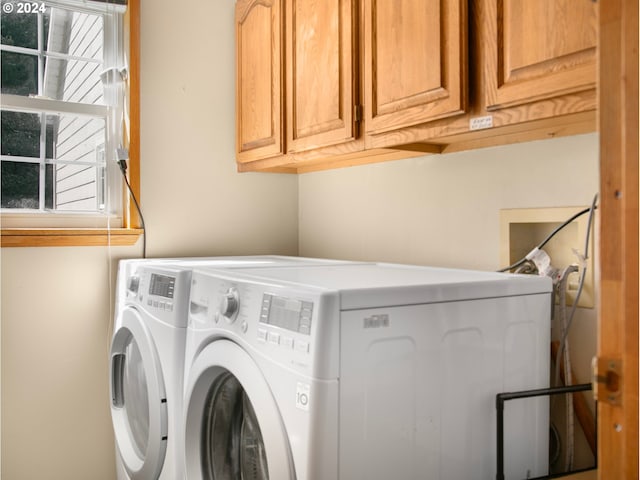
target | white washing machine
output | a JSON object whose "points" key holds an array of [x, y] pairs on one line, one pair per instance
{"points": [[364, 372], [147, 360]]}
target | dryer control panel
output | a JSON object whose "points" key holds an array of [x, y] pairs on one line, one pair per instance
{"points": [[162, 285], [162, 291]]}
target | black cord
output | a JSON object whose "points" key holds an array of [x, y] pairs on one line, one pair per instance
{"points": [[549, 237], [123, 169]]}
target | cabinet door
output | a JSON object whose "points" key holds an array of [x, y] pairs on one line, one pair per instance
{"points": [[415, 58], [321, 73], [539, 49], [259, 104]]}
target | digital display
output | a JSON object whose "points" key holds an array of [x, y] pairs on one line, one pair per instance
{"points": [[287, 313], [162, 285]]}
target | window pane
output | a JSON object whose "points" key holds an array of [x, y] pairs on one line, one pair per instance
{"points": [[76, 188], [75, 138], [86, 36], [54, 161], [19, 29], [20, 134], [20, 185], [19, 74], [79, 35], [73, 81], [76, 34], [48, 187]]}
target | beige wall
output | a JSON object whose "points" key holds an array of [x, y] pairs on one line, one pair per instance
{"points": [[55, 322], [56, 301], [195, 202], [442, 209]]}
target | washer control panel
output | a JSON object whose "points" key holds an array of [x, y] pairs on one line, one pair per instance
{"points": [[288, 313], [289, 316], [229, 305], [278, 322]]}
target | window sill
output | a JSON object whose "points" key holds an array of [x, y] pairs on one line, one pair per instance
{"points": [[69, 237]]}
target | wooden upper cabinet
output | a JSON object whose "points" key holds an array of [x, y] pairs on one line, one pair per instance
{"points": [[415, 61], [321, 53], [330, 83], [539, 49], [259, 104]]}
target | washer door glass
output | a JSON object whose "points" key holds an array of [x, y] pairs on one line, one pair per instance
{"points": [[135, 397], [232, 445], [138, 398]]}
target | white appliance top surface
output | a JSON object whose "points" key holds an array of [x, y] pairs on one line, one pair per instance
{"points": [[233, 261], [376, 285]]}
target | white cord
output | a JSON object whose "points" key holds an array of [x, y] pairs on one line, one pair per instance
{"points": [[113, 84]]}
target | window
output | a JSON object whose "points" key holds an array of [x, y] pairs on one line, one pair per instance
{"points": [[65, 86]]}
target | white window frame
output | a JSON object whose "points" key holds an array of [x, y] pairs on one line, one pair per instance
{"points": [[113, 57]]}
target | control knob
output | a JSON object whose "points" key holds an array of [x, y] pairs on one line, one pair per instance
{"points": [[134, 284], [229, 305]]}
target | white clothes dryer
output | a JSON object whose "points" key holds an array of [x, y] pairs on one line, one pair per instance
{"points": [[363, 372], [147, 360]]}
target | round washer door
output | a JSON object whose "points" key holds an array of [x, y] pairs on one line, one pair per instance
{"points": [[233, 427], [138, 399]]}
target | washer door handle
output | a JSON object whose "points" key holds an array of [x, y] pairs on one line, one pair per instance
{"points": [[117, 367]]}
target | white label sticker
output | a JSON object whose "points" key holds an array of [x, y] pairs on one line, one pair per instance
{"points": [[303, 394], [480, 123]]}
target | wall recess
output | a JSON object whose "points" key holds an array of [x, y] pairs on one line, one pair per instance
{"points": [[521, 229]]}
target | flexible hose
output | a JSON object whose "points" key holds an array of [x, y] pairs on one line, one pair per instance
{"points": [[562, 309]]}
